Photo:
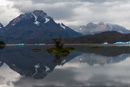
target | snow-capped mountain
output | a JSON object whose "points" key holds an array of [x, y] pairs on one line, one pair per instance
{"points": [[93, 28], [1, 26], [34, 27], [38, 17]]}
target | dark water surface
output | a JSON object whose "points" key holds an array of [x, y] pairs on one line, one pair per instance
{"points": [[84, 67]]}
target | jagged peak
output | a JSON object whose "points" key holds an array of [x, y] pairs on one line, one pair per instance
{"points": [[39, 13], [90, 23], [93, 23], [98, 27], [101, 23], [35, 13]]}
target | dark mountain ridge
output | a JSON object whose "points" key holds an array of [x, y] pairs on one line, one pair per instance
{"points": [[108, 36]]}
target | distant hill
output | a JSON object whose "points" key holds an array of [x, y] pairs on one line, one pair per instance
{"points": [[35, 27], [108, 36], [93, 28]]}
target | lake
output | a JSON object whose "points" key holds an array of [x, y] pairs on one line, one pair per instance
{"points": [[86, 66]]}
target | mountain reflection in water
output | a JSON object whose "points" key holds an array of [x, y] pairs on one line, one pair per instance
{"points": [[26, 62], [85, 66]]}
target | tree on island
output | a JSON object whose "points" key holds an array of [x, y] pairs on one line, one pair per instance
{"points": [[58, 43], [59, 51]]}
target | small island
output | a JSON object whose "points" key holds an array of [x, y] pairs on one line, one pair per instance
{"points": [[59, 48]]}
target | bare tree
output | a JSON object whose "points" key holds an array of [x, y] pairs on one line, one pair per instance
{"points": [[58, 43]]}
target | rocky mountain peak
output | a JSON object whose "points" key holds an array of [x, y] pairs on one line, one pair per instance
{"points": [[95, 28], [101, 23], [39, 13], [36, 17], [90, 24], [36, 13]]}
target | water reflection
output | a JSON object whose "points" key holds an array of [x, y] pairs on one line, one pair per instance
{"points": [[31, 64], [58, 59], [96, 59], [80, 68], [104, 50]]}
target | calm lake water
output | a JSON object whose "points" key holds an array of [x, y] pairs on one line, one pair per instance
{"points": [[83, 67]]}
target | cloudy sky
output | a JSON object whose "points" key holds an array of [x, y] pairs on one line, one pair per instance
{"points": [[70, 12]]}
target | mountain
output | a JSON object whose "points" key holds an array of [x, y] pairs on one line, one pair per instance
{"points": [[35, 27], [1, 26], [92, 28], [108, 36]]}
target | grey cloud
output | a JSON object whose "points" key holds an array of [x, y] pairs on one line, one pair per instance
{"points": [[59, 77], [2, 10], [79, 12], [1, 79], [102, 1], [105, 81], [67, 78], [46, 86], [7, 14], [44, 1], [91, 1], [52, 1], [60, 13], [57, 11]]}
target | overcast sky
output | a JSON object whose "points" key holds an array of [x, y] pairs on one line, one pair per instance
{"points": [[70, 12]]}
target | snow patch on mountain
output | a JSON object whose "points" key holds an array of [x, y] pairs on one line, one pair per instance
{"points": [[62, 25], [36, 21], [36, 67], [47, 20], [13, 24]]}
